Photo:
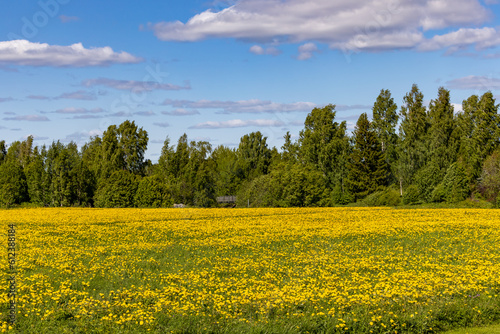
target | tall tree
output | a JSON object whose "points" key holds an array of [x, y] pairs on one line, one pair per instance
{"points": [[442, 144], [63, 161], [412, 146], [367, 166], [3, 151], [35, 177], [290, 150], [133, 142], [13, 189], [118, 192], [384, 122], [254, 156], [227, 180], [478, 126], [324, 144]]}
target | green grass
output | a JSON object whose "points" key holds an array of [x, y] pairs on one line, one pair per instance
{"points": [[493, 329]]}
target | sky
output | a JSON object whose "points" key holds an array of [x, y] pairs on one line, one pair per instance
{"points": [[217, 70]]}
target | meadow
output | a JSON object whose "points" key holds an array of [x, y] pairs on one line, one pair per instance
{"points": [[314, 270]]}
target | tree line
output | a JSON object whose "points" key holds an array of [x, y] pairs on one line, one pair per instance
{"points": [[412, 154]]}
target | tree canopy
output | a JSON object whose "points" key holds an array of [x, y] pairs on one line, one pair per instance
{"points": [[415, 154]]}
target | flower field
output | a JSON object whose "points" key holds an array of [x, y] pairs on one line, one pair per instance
{"points": [[316, 270]]}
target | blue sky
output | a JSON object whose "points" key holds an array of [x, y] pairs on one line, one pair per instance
{"points": [[218, 70]]}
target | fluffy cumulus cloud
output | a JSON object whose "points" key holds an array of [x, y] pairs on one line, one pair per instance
{"points": [[238, 123], [344, 24], [132, 85], [244, 106], [26, 53], [482, 38]]}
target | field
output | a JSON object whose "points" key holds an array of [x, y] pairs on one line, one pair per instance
{"points": [[318, 270]]}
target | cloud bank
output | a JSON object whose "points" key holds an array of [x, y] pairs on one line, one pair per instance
{"points": [[364, 25]]}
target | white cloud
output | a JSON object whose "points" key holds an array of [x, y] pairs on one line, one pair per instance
{"points": [[343, 24], [482, 38], [306, 51], [259, 50], [26, 53], [82, 136], [132, 85], [238, 123], [475, 82], [29, 118], [6, 99], [457, 107], [244, 106]]}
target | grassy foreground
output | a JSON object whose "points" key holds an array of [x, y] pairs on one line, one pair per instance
{"points": [[493, 329], [318, 270]]}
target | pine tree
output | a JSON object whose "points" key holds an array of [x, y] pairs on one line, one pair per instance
{"points": [[367, 166], [412, 145], [442, 144], [385, 119]]}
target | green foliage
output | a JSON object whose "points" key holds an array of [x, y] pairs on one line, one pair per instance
{"points": [[36, 177], [288, 185], [411, 195], [3, 151], [386, 197], [438, 194], [253, 156], [367, 165], [153, 192], [436, 156], [298, 185], [341, 196], [443, 144], [324, 143], [455, 184], [478, 126], [412, 146], [227, 181], [118, 191], [489, 182], [257, 193], [426, 179], [385, 119], [13, 188]]}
